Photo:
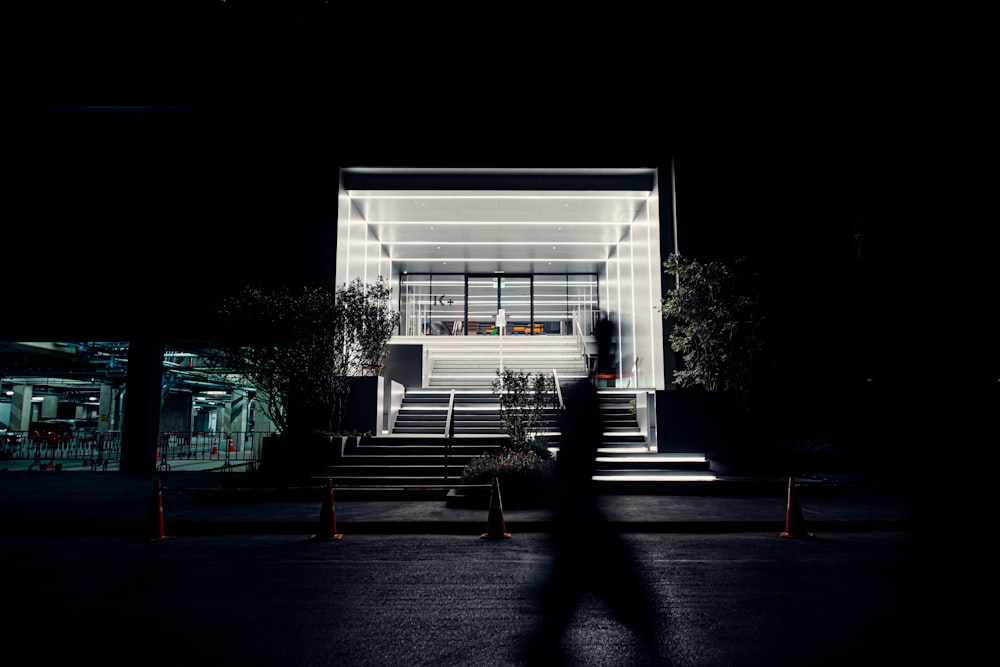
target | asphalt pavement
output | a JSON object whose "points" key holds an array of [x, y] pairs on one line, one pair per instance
{"points": [[202, 499]]}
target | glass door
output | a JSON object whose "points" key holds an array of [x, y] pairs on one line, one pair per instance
{"points": [[457, 304], [515, 299], [431, 305], [488, 294]]}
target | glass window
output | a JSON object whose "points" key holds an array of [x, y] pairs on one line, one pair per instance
{"points": [[458, 304], [431, 305]]}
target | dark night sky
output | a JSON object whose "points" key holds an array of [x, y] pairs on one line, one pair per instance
{"points": [[153, 151], [803, 134]]}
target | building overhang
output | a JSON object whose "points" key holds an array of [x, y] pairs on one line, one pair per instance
{"points": [[489, 220]]}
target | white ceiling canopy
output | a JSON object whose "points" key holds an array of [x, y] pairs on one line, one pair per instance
{"points": [[530, 221]]}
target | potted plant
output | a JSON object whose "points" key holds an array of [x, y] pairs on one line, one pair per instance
{"points": [[303, 352], [713, 316], [523, 475], [523, 467]]}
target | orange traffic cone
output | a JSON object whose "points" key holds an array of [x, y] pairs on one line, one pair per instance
{"points": [[495, 526], [154, 520], [232, 448], [327, 518], [215, 447], [795, 525]]}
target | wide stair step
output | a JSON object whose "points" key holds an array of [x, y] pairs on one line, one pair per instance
{"points": [[422, 465], [418, 458], [472, 361], [430, 467]]}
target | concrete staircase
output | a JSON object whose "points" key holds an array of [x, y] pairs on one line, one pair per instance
{"points": [[431, 467], [425, 452], [472, 361], [417, 458], [373, 465]]}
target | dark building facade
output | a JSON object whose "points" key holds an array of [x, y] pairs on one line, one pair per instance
{"points": [[165, 155]]}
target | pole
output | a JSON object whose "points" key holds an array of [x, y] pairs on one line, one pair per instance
{"points": [[673, 204], [501, 327]]}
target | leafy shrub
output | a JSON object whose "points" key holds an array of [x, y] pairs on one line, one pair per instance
{"points": [[715, 315], [523, 399], [515, 470], [298, 348]]}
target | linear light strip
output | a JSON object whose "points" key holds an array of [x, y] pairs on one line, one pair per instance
{"points": [[654, 478], [365, 195], [495, 223], [500, 243]]}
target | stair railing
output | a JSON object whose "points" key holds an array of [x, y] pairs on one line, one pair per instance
{"points": [[578, 334], [558, 387], [449, 431]]}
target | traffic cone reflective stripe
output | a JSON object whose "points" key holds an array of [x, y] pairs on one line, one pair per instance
{"points": [[495, 526], [154, 520], [795, 525], [327, 518]]}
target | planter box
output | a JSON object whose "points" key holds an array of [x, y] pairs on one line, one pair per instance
{"points": [[298, 457], [480, 499], [713, 422], [511, 497], [364, 407]]}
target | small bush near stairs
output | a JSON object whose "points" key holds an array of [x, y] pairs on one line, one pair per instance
{"points": [[517, 471], [525, 467]]}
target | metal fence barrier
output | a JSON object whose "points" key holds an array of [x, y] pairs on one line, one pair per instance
{"points": [[98, 450]]}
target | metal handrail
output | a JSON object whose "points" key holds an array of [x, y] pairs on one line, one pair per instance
{"points": [[449, 431], [577, 335], [555, 381], [449, 423]]}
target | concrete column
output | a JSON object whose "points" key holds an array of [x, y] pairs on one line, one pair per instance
{"points": [[238, 419], [105, 407], [20, 407], [49, 407], [141, 419], [223, 418], [176, 414]]}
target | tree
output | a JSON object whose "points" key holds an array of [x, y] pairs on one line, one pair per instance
{"points": [[369, 323], [299, 349], [714, 312], [523, 399]]}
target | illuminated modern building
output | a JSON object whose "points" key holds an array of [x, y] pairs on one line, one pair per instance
{"points": [[551, 248]]}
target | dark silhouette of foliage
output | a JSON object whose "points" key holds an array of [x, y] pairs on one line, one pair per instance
{"points": [[298, 349], [714, 312]]}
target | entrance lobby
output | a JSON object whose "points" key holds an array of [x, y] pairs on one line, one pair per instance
{"points": [[456, 304], [548, 248]]}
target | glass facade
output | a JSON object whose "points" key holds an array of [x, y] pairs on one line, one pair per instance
{"points": [[467, 304]]}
